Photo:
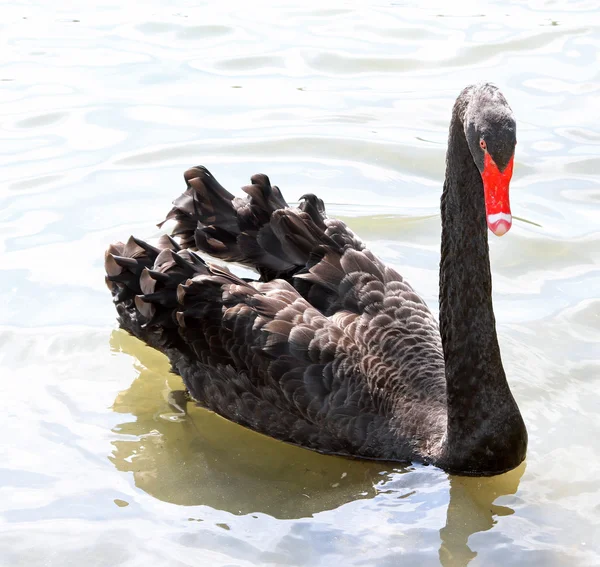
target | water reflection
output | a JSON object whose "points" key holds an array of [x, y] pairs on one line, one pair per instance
{"points": [[471, 509], [201, 459]]}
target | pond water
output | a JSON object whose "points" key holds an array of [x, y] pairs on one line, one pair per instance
{"points": [[104, 105]]}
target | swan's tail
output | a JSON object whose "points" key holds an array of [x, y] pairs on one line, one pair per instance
{"points": [[143, 280], [253, 231]]}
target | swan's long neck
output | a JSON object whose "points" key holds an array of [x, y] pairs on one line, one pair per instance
{"points": [[484, 428]]}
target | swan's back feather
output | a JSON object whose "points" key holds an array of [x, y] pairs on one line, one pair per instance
{"points": [[332, 350]]}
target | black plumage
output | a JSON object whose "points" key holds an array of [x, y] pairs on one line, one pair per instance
{"points": [[330, 348]]}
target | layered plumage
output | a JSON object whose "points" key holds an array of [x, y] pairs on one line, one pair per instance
{"points": [[308, 357], [329, 348]]}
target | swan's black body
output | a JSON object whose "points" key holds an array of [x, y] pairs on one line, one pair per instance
{"points": [[331, 349]]}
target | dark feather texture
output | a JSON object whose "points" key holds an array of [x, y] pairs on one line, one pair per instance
{"points": [[330, 348]]}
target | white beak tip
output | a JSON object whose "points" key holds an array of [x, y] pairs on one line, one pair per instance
{"points": [[499, 223]]}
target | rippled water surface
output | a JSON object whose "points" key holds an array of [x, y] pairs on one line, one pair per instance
{"points": [[102, 107]]}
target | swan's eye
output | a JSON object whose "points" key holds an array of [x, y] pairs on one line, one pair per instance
{"points": [[482, 144]]}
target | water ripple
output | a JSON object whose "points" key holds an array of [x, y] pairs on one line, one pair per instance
{"points": [[103, 108]]}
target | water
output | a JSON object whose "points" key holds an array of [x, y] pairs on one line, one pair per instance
{"points": [[102, 108]]}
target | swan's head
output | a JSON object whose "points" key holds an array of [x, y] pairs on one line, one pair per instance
{"points": [[491, 133]]}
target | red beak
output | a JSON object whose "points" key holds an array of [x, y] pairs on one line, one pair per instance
{"points": [[495, 188]]}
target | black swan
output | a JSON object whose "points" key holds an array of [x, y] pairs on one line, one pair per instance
{"points": [[330, 348]]}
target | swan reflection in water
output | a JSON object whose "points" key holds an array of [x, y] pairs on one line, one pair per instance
{"points": [[198, 458]]}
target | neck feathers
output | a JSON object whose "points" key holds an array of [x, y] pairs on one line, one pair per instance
{"points": [[481, 410]]}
